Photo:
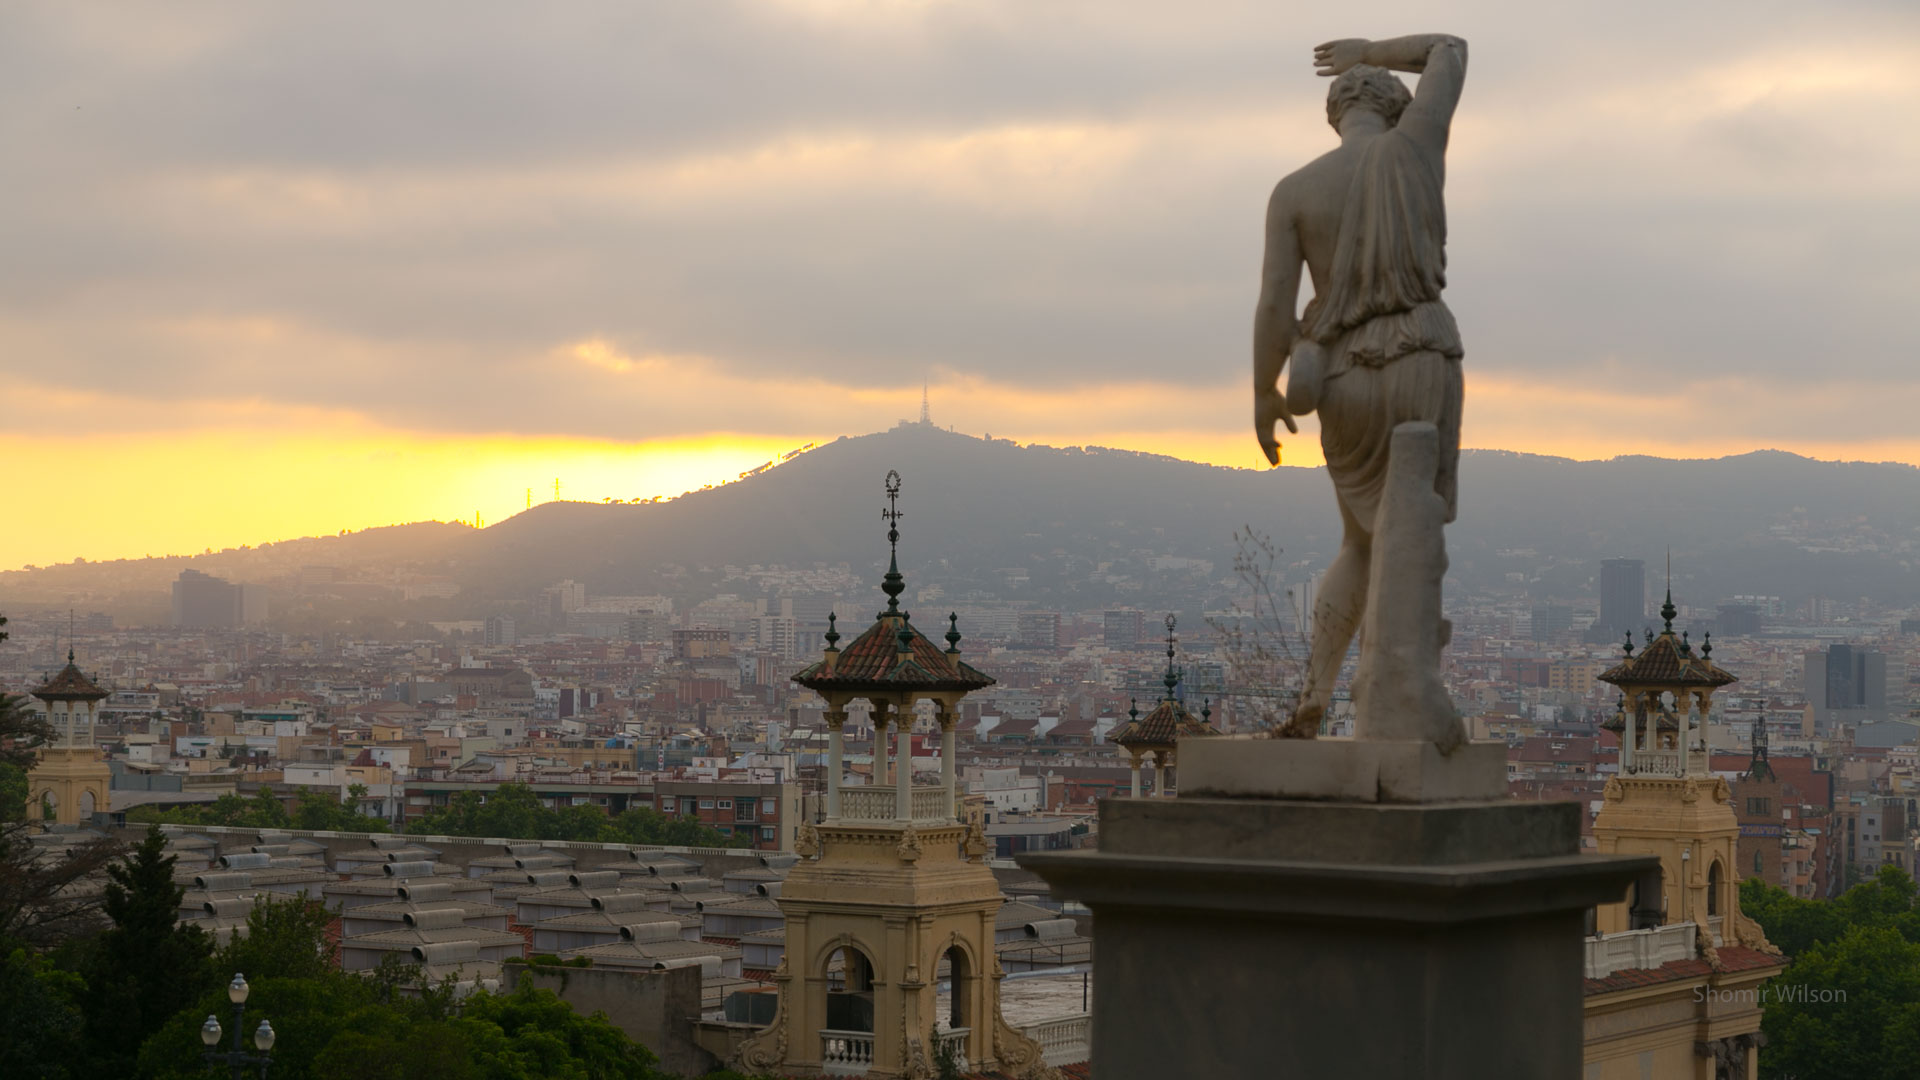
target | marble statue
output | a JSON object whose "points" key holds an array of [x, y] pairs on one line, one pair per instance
{"points": [[1377, 355]]}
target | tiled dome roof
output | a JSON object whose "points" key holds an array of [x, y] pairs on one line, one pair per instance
{"points": [[70, 685]]}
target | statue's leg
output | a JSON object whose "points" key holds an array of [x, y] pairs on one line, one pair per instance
{"points": [[1338, 605]]}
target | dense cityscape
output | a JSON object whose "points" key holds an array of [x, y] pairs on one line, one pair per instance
{"points": [[622, 780]]}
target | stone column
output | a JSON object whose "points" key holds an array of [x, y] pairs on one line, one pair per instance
{"points": [[1685, 714], [903, 761], [1134, 760], [948, 766], [836, 718], [1627, 734], [1163, 775]]}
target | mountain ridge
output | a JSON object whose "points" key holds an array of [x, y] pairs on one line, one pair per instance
{"points": [[984, 509]]}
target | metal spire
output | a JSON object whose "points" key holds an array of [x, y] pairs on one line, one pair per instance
{"points": [[893, 584], [953, 633], [1667, 610], [1172, 677]]}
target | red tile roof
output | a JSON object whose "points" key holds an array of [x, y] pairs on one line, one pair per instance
{"points": [[1164, 726], [70, 685], [873, 661], [1665, 663], [1732, 958]]}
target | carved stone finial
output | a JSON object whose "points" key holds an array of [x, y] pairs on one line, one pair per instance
{"points": [[893, 584], [975, 844]]}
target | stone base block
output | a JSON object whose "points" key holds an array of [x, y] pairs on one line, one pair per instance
{"points": [[1379, 834], [1248, 937], [1341, 770]]}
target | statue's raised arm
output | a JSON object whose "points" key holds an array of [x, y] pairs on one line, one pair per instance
{"points": [[1439, 59]]}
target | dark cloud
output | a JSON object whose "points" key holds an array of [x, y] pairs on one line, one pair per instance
{"points": [[427, 201]]}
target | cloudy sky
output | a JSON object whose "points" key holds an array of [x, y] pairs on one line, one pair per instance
{"points": [[277, 269]]}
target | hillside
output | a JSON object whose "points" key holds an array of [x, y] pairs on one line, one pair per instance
{"points": [[1766, 522]]}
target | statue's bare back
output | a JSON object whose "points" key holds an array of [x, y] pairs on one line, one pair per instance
{"points": [[1377, 346]]}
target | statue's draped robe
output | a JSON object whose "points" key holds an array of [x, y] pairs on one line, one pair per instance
{"points": [[1393, 349]]}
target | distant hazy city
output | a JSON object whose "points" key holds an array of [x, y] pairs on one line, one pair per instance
{"points": [[396, 686]]}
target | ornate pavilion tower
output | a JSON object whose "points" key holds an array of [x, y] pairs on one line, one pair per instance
{"points": [[1664, 801], [1157, 735], [892, 893], [70, 771]]}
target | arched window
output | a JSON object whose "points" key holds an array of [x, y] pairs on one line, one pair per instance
{"points": [[1713, 889], [1759, 861], [961, 980], [849, 979]]}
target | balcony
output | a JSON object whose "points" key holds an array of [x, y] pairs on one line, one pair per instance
{"points": [[845, 1053], [1637, 949], [956, 1039], [1065, 1039], [928, 804], [1654, 763]]}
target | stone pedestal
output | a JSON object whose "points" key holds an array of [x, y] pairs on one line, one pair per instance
{"points": [[1268, 937], [1342, 770]]}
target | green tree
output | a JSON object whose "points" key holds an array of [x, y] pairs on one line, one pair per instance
{"points": [[532, 1033], [514, 812], [40, 1035], [42, 901], [286, 939], [145, 968], [307, 1014], [22, 733], [1849, 1004], [13, 792], [1793, 924], [1861, 1019], [319, 810]]}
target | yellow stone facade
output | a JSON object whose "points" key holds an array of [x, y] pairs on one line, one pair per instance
{"points": [[70, 773], [1691, 1006]]}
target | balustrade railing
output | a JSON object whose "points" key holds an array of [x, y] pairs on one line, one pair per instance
{"points": [[957, 1039], [868, 804], [1655, 763], [1064, 1039], [846, 1053], [928, 804]]}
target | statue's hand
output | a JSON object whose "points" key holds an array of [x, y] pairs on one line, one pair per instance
{"points": [[1269, 408], [1335, 57]]}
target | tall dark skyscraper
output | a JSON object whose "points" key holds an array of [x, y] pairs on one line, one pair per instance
{"points": [[1848, 684], [207, 602], [1623, 595]]}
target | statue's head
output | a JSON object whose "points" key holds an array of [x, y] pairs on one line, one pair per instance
{"points": [[1364, 86]]}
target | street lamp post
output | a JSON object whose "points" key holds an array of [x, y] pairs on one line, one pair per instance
{"points": [[237, 1059]]}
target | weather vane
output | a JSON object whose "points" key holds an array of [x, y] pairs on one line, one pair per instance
{"points": [[891, 514], [893, 584]]}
